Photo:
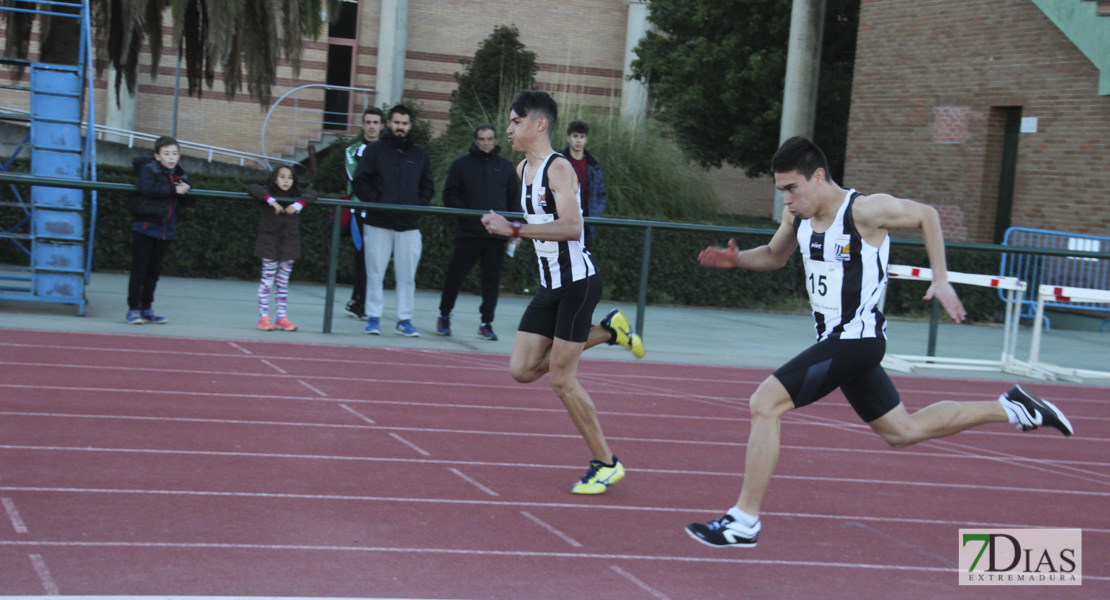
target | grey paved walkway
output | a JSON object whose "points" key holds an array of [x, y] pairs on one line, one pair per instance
{"points": [[227, 309]]}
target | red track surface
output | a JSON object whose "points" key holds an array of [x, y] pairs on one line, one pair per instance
{"points": [[140, 466]]}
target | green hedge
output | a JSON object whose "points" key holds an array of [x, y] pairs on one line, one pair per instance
{"points": [[217, 236], [903, 298]]}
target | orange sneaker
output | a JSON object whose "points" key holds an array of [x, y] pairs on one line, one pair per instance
{"points": [[286, 324], [265, 324]]}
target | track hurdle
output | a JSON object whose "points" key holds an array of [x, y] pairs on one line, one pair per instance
{"points": [[1007, 362], [1063, 295]]}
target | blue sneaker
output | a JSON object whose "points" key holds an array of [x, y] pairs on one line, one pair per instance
{"points": [[486, 332], [443, 326], [134, 317], [372, 326], [405, 328], [150, 317]]}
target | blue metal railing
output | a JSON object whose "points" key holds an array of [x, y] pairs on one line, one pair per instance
{"points": [[1068, 270], [88, 171]]}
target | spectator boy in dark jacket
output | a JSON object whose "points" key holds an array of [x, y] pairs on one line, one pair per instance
{"points": [[480, 180], [590, 176], [162, 187]]}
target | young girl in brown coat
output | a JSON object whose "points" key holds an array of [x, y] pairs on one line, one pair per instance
{"points": [[279, 241]]}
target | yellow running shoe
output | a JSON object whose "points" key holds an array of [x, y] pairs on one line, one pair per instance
{"points": [[599, 477], [617, 324]]}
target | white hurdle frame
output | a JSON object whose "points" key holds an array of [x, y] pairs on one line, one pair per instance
{"points": [[1057, 293], [1007, 362]]}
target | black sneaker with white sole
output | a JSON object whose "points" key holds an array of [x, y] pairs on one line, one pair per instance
{"points": [[355, 309], [724, 532], [1033, 412]]}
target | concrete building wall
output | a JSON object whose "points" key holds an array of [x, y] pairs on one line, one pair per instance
{"points": [[931, 82]]}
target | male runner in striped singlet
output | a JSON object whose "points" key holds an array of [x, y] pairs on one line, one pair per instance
{"points": [[555, 328], [844, 243]]}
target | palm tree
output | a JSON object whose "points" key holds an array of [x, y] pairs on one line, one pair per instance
{"points": [[245, 38]]}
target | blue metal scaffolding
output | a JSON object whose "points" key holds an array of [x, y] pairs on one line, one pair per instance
{"points": [[49, 229]]}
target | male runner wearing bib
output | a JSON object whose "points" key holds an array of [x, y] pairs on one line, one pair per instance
{"points": [[845, 247], [555, 328]]}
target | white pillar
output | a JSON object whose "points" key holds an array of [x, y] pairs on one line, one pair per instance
{"points": [[392, 43], [803, 70], [633, 92], [121, 109]]}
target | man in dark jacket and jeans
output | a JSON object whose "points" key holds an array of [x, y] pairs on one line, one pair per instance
{"points": [[393, 170], [481, 180]]}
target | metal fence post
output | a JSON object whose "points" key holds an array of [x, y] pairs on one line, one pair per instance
{"points": [[645, 262], [333, 259], [934, 321]]}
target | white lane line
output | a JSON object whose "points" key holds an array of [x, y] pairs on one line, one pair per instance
{"points": [[275, 367], [880, 482], [309, 386], [809, 423], [239, 374], [240, 348], [193, 598], [656, 392], [511, 553], [1048, 466], [1013, 461], [13, 514], [906, 384], [517, 504], [162, 392], [44, 575], [473, 482], [640, 584], [566, 538], [357, 414], [410, 444]]}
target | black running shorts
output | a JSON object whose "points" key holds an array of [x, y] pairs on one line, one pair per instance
{"points": [[851, 365], [563, 313]]}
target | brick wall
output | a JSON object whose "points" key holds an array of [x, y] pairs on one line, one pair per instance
{"points": [[743, 195], [579, 46], [931, 80]]}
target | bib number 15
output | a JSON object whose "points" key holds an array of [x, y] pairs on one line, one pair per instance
{"points": [[817, 285]]}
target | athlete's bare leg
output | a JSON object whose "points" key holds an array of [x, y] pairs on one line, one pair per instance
{"points": [[901, 429], [769, 402], [898, 428], [533, 355]]}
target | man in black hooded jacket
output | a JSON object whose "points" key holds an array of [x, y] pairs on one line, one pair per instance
{"points": [[393, 170], [481, 180]]}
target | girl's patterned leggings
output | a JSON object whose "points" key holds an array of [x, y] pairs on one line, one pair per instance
{"points": [[274, 272]]}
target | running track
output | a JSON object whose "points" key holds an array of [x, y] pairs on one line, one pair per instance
{"points": [[155, 466]]}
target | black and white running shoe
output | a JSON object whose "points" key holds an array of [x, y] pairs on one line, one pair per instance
{"points": [[724, 532], [1033, 412]]}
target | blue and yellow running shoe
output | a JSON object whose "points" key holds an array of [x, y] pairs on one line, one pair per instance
{"points": [[617, 325], [599, 477]]}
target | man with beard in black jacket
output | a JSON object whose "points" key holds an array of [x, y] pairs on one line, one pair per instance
{"points": [[481, 180], [393, 170]]}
